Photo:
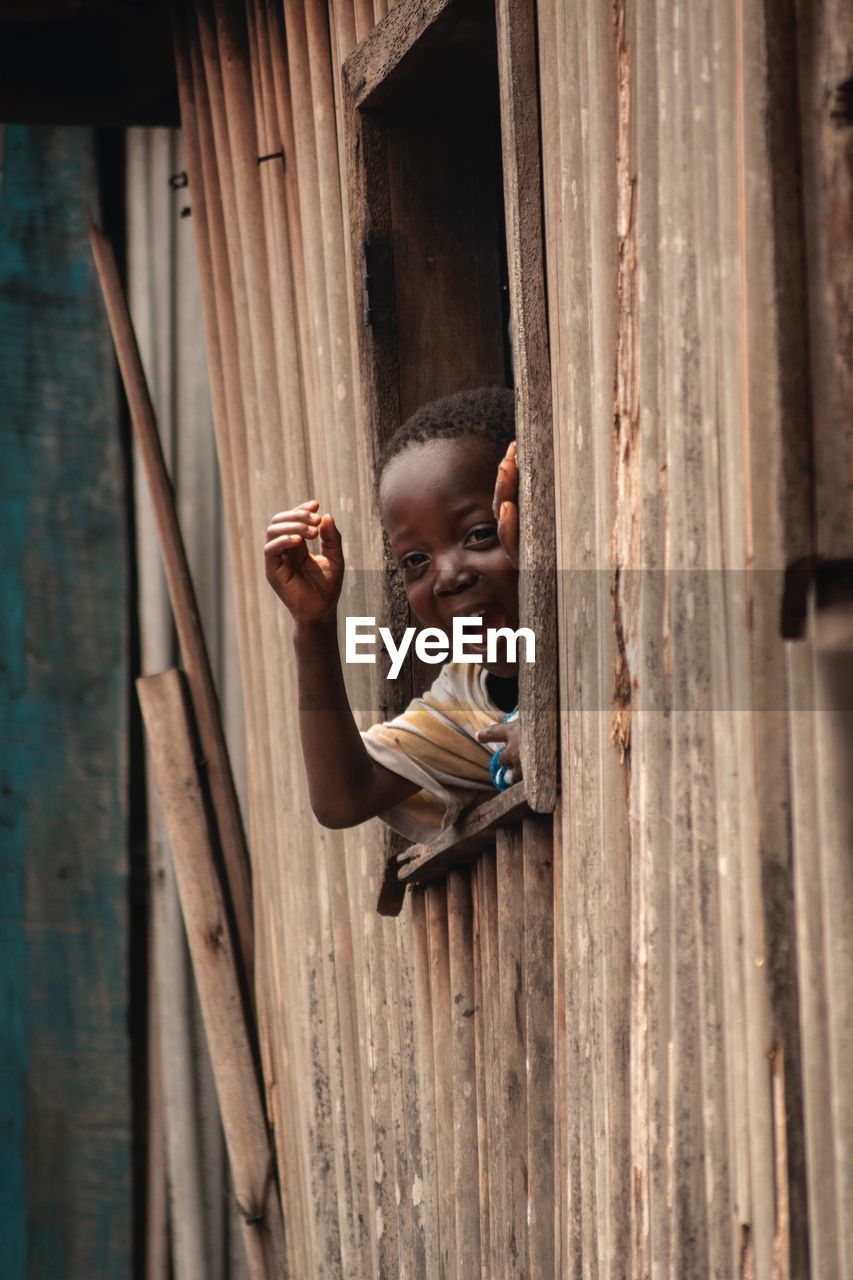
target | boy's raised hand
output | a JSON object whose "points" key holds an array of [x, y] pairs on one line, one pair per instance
{"points": [[505, 505], [308, 584]]}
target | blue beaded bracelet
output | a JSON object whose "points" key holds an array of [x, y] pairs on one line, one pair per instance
{"points": [[502, 775]]}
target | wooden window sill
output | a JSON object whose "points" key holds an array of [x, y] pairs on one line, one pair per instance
{"points": [[461, 843]]}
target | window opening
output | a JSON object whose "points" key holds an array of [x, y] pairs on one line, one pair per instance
{"points": [[438, 130]]}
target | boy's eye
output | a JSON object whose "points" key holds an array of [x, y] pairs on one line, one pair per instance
{"points": [[414, 560], [483, 533]]}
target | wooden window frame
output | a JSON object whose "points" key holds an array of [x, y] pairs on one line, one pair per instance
{"points": [[388, 55]]}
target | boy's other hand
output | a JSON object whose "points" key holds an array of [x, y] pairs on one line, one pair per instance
{"points": [[308, 584], [508, 733], [505, 505]]}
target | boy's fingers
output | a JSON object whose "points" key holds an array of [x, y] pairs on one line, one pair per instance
{"points": [[506, 485], [294, 517], [287, 543], [494, 733], [330, 540], [508, 530], [281, 527], [278, 568]]}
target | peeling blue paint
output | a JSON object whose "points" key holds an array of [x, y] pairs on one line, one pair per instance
{"points": [[65, 1140]]}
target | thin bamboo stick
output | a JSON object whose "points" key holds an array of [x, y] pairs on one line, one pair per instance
{"points": [[168, 726], [224, 797]]}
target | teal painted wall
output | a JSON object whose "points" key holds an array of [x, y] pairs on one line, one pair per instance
{"points": [[65, 1117]]}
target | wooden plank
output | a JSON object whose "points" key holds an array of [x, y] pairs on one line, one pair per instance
{"points": [[365, 18], [583, 243], [412, 1189], [478, 944], [157, 1180], [687, 1207], [522, 172], [779, 531], [200, 514], [229, 822], [427, 1193], [560, 44], [466, 838], [370, 234], [825, 1201], [312, 1192], [834, 735], [494, 1153], [442, 1031], [391, 44], [165, 709], [560, 1032], [824, 36], [149, 297], [512, 1101], [381, 1152], [538, 977], [462, 1070], [227, 406], [338, 979]]}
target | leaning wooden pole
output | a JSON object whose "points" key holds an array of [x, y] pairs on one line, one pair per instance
{"points": [[223, 794], [168, 726]]}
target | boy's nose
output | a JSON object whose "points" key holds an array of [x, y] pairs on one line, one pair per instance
{"points": [[452, 577]]}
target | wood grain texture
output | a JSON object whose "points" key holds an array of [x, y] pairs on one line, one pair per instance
{"points": [[522, 176], [824, 34], [165, 708], [464, 840], [187, 620], [538, 977], [466, 1163], [512, 1098], [682, 460], [390, 44]]}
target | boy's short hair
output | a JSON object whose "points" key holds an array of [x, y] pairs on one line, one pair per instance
{"points": [[484, 412]]}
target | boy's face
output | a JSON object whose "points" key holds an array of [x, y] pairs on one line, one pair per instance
{"points": [[436, 504]]}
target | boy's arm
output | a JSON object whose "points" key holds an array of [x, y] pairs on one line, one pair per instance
{"points": [[346, 785]]}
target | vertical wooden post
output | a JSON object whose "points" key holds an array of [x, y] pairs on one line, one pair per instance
{"points": [[199, 675], [522, 170], [169, 730]]}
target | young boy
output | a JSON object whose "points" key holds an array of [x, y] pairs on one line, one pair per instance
{"points": [[454, 535]]}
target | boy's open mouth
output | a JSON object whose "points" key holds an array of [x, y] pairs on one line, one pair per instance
{"points": [[492, 617]]}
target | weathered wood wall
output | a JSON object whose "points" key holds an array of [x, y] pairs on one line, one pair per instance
{"points": [[696, 1118], [196, 1231], [66, 1142]]}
